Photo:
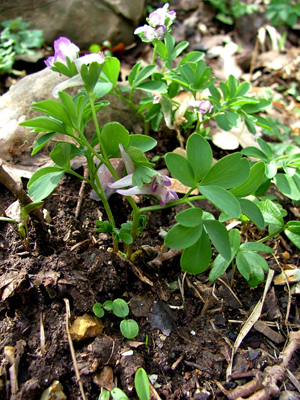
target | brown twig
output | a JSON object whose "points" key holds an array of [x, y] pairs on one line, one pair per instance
{"points": [[264, 384], [72, 350]]}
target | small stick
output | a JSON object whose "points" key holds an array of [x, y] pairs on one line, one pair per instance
{"points": [[68, 313], [81, 192]]}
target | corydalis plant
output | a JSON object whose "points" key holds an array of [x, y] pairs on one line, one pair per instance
{"points": [[159, 24], [227, 184]]}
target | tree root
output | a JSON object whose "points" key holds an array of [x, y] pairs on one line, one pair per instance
{"points": [[264, 384]]}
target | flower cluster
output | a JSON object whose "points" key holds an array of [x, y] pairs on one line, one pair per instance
{"points": [[156, 188], [201, 106], [64, 49], [159, 22]]}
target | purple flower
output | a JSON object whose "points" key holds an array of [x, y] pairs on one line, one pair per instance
{"points": [[63, 47], [159, 23], [148, 33], [160, 16], [205, 106], [156, 188]]}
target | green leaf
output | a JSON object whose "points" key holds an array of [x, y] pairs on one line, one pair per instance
{"points": [[265, 148], [178, 49], [190, 217], [44, 124], [219, 264], [253, 212], [111, 69], [61, 154], [142, 142], [42, 141], [98, 310], [147, 71], [271, 213], [223, 122], [199, 155], [196, 258], [69, 105], [219, 236], [30, 207], [102, 88], [120, 308], [181, 237], [133, 73], [181, 169], [242, 89], [126, 237], [287, 186], [222, 199], [54, 109], [252, 151], [252, 183], [232, 117], [230, 171], [153, 86], [105, 395], [90, 75], [192, 56], [129, 328], [293, 236], [250, 264], [141, 383], [112, 135], [118, 394], [255, 246], [43, 182], [254, 108]]}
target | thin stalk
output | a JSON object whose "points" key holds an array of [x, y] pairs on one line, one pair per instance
{"points": [[94, 114], [270, 236], [135, 225], [154, 57], [171, 204]]}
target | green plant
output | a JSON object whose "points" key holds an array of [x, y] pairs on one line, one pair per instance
{"points": [[142, 388], [17, 39], [23, 226], [229, 184], [232, 9], [128, 327], [283, 12]]}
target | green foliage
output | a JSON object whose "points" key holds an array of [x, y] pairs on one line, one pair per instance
{"points": [[249, 263], [142, 388], [283, 168], [128, 327], [17, 39], [283, 12]]}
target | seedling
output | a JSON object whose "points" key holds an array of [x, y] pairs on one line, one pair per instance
{"points": [[128, 327], [23, 226]]}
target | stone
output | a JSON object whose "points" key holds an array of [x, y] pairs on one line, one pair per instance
{"points": [[86, 327], [54, 392], [84, 22], [15, 107]]}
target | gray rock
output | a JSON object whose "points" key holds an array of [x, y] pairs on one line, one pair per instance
{"points": [[15, 107], [83, 21]]}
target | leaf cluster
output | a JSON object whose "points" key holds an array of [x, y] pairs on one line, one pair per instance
{"points": [[16, 38], [128, 327]]}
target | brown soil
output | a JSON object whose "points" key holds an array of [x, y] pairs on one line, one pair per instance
{"points": [[186, 345]]}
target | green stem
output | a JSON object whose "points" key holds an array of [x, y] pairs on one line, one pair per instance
{"points": [[171, 204], [270, 236], [135, 225], [154, 57]]}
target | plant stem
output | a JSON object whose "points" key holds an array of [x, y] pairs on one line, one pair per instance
{"points": [[171, 204], [153, 57], [270, 236]]}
